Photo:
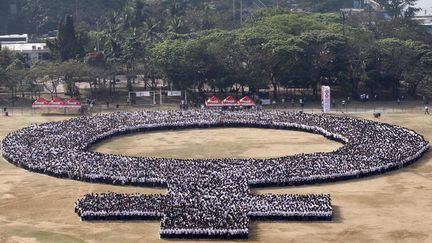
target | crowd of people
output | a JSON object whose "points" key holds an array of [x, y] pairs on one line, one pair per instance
{"points": [[209, 198]]}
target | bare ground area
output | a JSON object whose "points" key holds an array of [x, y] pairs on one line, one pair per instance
{"points": [[217, 143], [395, 207]]}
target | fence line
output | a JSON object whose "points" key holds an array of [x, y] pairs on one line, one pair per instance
{"points": [[310, 107]]}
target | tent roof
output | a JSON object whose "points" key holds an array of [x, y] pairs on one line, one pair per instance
{"points": [[56, 99], [246, 101], [213, 101], [56, 103], [229, 100], [40, 100]]}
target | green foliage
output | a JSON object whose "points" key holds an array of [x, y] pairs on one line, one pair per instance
{"points": [[322, 5], [199, 44], [292, 23], [267, 53], [40, 16], [407, 61], [294, 50], [67, 45], [400, 8]]}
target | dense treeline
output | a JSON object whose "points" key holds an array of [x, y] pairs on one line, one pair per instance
{"points": [[296, 50], [40, 16], [202, 45]]}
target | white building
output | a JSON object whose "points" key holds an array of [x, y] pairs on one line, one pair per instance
{"points": [[13, 39], [34, 52], [425, 21]]}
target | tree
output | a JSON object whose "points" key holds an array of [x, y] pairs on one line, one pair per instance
{"points": [[134, 51], [404, 62], [47, 76], [400, 8], [12, 71], [67, 45], [419, 66], [6, 58], [3, 76], [113, 49], [152, 30], [360, 52], [41, 16], [320, 5], [233, 64], [171, 57], [273, 53]]}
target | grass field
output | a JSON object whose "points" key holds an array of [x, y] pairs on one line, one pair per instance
{"points": [[395, 207]]}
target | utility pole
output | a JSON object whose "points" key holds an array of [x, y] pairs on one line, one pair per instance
{"points": [[160, 96], [343, 22], [241, 12], [76, 10], [370, 15], [234, 13], [97, 39], [343, 12], [185, 97]]}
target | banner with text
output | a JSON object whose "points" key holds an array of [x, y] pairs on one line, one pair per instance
{"points": [[325, 98], [174, 93], [143, 94]]}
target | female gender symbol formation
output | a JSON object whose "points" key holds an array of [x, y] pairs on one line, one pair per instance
{"points": [[209, 198]]}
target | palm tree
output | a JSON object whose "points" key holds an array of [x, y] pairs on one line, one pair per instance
{"points": [[113, 51], [176, 25], [152, 30]]}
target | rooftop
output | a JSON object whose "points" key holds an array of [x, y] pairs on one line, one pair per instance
{"points": [[22, 47]]}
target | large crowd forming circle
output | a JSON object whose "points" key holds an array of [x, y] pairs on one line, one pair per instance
{"points": [[209, 198]]}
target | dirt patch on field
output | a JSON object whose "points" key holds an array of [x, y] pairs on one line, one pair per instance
{"points": [[218, 143], [395, 207]]}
